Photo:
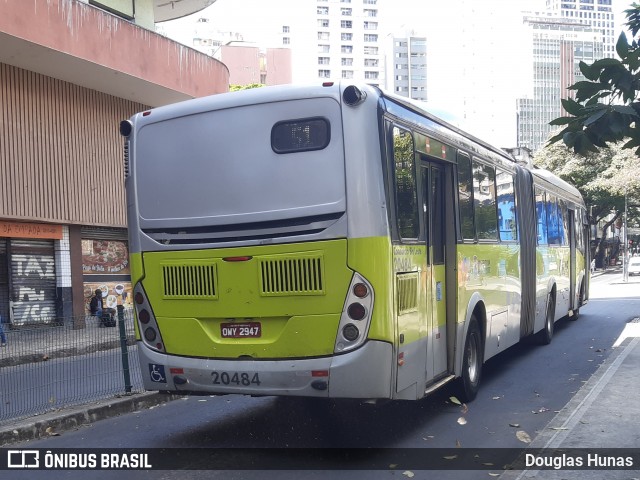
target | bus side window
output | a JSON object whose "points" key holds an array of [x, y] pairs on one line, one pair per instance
{"points": [[541, 215], [507, 215], [484, 196], [554, 221], [405, 184], [465, 197], [564, 222]]}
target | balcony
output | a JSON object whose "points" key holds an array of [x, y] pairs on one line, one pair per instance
{"points": [[87, 46]]}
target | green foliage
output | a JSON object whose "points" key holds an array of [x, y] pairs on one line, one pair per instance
{"points": [[606, 108], [603, 178], [235, 88]]}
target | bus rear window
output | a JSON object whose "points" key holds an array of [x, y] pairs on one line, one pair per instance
{"points": [[301, 135]]}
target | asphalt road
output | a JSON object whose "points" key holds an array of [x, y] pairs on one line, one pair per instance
{"points": [[522, 390]]}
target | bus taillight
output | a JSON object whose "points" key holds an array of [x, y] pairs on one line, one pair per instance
{"points": [[149, 330], [356, 315]]}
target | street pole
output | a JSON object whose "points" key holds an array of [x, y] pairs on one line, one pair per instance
{"points": [[625, 260]]}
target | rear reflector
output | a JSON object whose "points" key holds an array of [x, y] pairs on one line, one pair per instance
{"points": [[320, 373]]}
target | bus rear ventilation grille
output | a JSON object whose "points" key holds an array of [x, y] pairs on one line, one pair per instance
{"points": [[189, 281], [292, 276]]}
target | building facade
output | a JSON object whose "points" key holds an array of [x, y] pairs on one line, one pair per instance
{"points": [[406, 66], [347, 39], [557, 46], [70, 71], [598, 14]]}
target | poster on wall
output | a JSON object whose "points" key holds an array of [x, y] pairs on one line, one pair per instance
{"points": [[105, 257], [113, 293]]}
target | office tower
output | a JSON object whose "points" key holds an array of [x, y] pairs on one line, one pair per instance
{"points": [[406, 66], [556, 47], [598, 14], [347, 43]]}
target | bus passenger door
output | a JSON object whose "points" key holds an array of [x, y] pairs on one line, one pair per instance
{"points": [[433, 182]]}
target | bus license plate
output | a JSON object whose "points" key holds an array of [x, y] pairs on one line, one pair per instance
{"points": [[241, 330]]}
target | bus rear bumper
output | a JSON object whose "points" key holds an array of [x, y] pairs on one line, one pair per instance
{"points": [[364, 373]]}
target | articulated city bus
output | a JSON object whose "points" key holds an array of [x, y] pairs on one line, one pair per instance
{"points": [[337, 241]]}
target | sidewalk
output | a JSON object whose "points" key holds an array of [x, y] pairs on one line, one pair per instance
{"points": [[605, 413]]}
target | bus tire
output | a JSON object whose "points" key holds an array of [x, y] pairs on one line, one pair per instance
{"points": [[546, 334], [469, 382]]}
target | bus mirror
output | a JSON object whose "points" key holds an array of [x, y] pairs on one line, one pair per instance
{"points": [[353, 96], [125, 128]]}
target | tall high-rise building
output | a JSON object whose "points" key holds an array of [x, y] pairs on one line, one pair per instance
{"points": [[557, 45], [347, 40], [406, 66], [598, 14]]}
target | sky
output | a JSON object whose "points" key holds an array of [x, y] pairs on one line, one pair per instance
{"points": [[476, 66]]}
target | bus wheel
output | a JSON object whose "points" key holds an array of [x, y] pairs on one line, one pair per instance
{"points": [[471, 362], [546, 334]]}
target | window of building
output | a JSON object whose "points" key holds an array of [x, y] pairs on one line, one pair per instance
{"points": [[370, 37], [371, 50], [371, 62], [323, 48], [346, 24], [346, 36], [346, 12], [323, 60], [370, 25], [323, 23], [347, 62], [324, 73], [286, 40], [371, 75], [347, 73], [346, 49], [370, 13], [323, 35], [323, 10], [285, 29]]}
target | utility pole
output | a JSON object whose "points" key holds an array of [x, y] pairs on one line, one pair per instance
{"points": [[625, 260]]}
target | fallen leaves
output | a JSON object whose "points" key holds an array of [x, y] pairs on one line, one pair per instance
{"points": [[523, 436], [408, 473], [455, 400], [50, 431], [462, 421]]}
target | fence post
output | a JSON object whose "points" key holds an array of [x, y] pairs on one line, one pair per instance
{"points": [[124, 349]]}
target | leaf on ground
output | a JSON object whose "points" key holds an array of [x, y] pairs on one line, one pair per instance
{"points": [[540, 410], [50, 431], [494, 474], [408, 473], [559, 428], [496, 398], [462, 421], [455, 400], [465, 409], [450, 457], [523, 436], [428, 437], [458, 444], [488, 464], [515, 425], [393, 465]]}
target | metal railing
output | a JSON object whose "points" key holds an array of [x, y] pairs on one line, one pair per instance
{"points": [[70, 362]]}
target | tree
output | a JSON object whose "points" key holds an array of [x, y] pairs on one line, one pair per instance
{"points": [[606, 108], [603, 178]]}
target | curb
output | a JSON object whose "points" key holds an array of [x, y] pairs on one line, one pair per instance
{"points": [[75, 417]]}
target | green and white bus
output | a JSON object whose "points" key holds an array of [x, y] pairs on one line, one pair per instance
{"points": [[337, 241]]}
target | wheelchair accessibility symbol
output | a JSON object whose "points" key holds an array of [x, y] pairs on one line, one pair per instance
{"points": [[156, 372]]}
